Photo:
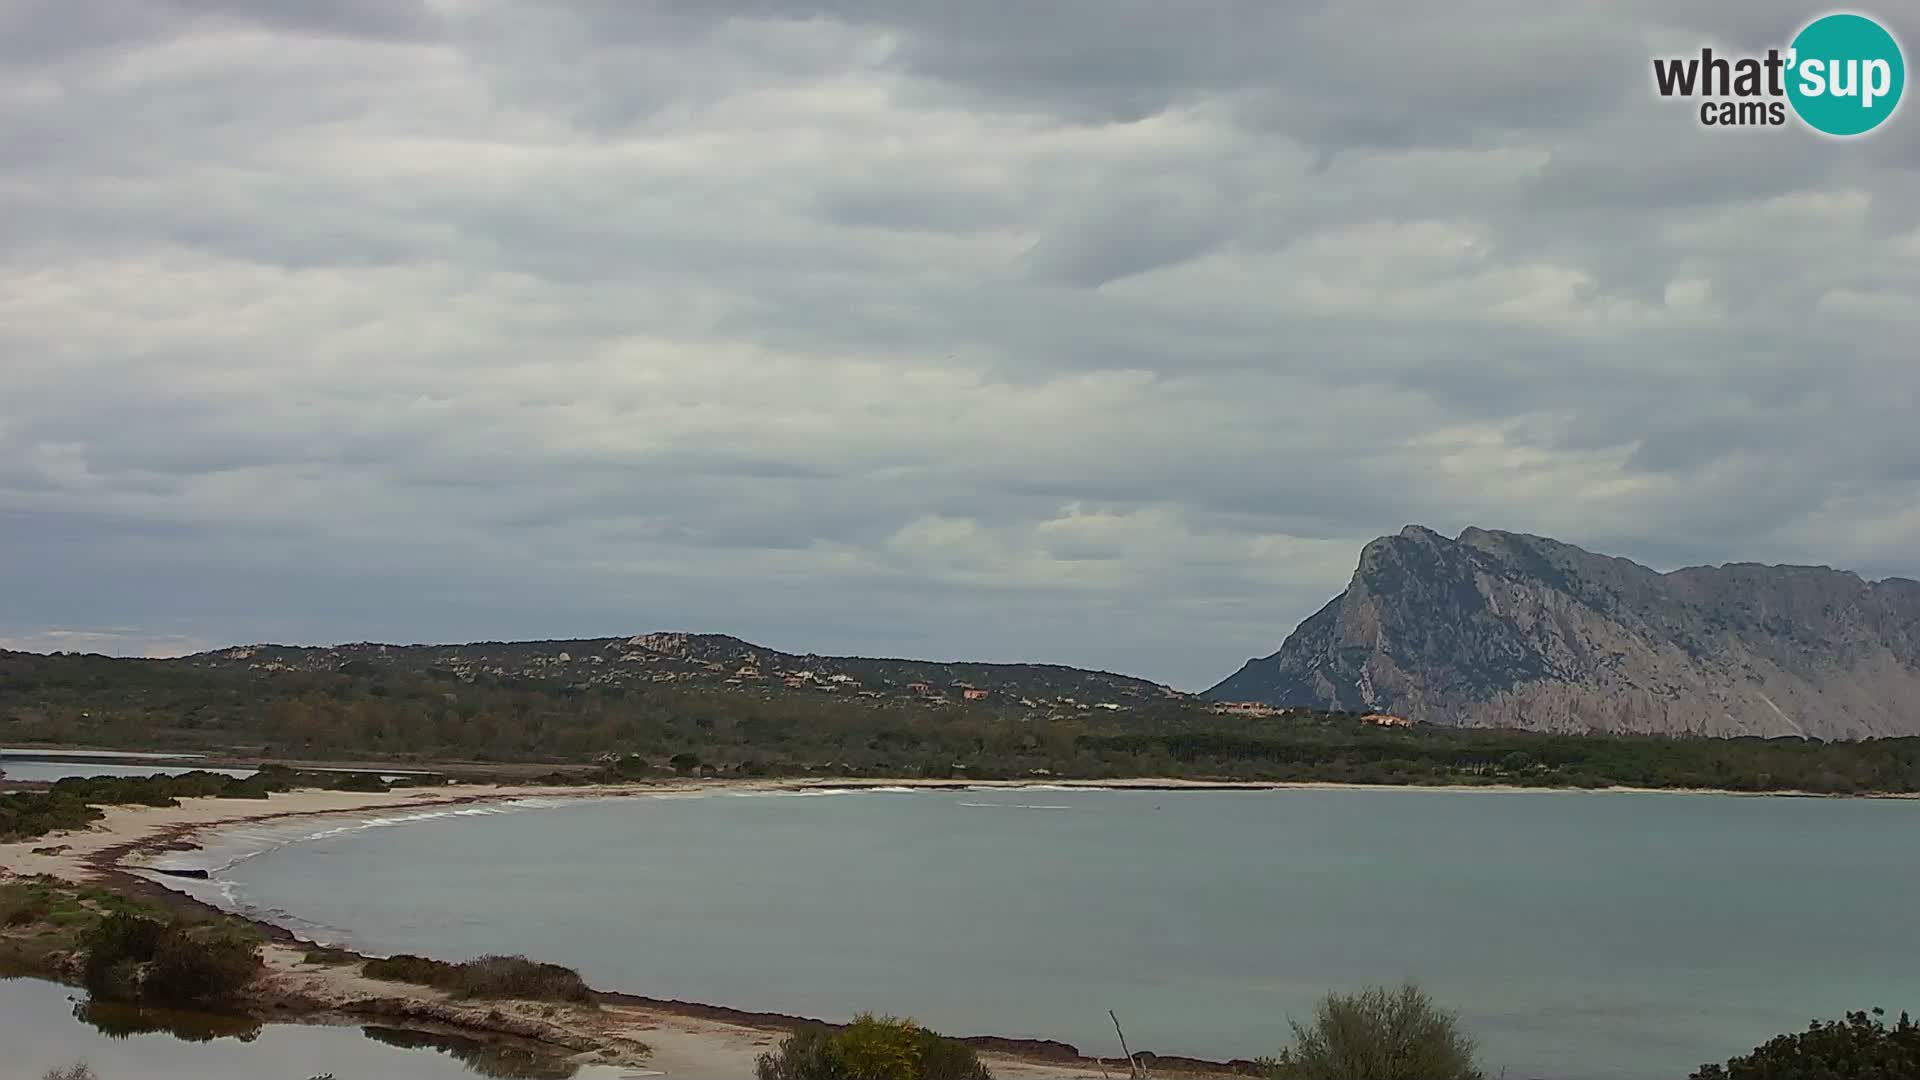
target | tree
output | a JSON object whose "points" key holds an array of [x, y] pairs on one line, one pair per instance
{"points": [[1861, 1047], [1377, 1034]]}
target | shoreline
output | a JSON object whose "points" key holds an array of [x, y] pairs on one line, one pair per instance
{"points": [[520, 780], [692, 1040]]}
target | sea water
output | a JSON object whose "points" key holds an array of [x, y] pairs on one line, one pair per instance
{"points": [[1578, 935]]}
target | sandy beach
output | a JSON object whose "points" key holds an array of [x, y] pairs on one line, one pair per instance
{"points": [[626, 1036]]}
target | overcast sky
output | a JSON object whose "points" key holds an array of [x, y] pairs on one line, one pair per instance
{"points": [[1100, 332]]}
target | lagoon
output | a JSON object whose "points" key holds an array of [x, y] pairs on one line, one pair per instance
{"points": [[1581, 935]]}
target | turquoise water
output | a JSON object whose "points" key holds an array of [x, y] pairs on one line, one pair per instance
{"points": [[1580, 935], [41, 1029]]}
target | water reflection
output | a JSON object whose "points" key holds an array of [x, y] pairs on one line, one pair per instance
{"points": [[493, 1058], [126, 1042], [502, 1061], [120, 1021]]}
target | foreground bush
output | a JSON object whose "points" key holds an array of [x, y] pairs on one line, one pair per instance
{"points": [[871, 1049], [1861, 1047], [1377, 1034], [133, 958], [488, 977]]}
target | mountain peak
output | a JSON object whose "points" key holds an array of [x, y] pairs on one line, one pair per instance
{"points": [[1510, 629]]}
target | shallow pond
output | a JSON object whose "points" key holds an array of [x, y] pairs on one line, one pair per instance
{"points": [[43, 1026]]}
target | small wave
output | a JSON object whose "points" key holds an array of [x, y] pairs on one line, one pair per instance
{"points": [[251, 842]]}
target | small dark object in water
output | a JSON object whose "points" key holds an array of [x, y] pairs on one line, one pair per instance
{"points": [[200, 875]]}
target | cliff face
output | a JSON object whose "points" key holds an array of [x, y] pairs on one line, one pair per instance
{"points": [[1504, 629]]}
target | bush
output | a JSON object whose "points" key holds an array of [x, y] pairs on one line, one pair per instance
{"points": [[488, 977], [1860, 1046], [186, 968], [405, 968], [79, 1070], [879, 1049], [807, 1054], [949, 1059], [1377, 1034], [117, 945], [130, 958], [519, 977], [871, 1049]]}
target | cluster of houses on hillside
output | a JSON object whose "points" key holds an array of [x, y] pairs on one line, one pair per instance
{"points": [[836, 683], [937, 694]]}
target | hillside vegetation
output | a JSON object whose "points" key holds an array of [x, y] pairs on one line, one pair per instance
{"points": [[392, 713]]}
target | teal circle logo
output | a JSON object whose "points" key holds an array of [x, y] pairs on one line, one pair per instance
{"points": [[1845, 74]]}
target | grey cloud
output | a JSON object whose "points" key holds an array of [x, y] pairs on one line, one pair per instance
{"points": [[403, 19], [41, 32], [1088, 332]]}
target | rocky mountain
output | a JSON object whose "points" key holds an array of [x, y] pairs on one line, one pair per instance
{"points": [[697, 659], [1509, 630]]}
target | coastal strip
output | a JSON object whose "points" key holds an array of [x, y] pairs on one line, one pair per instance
{"points": [[679, 1039]]}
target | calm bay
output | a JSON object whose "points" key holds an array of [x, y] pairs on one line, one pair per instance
{"points": [[1580, 935]]}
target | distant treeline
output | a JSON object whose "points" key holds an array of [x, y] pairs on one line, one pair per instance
{"points": [[1328, 749], [431, 716]]}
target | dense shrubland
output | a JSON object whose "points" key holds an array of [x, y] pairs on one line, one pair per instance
{"points": [[397, 715]]}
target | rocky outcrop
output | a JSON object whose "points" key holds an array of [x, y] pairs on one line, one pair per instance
{"points": [[1504, 629]]}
